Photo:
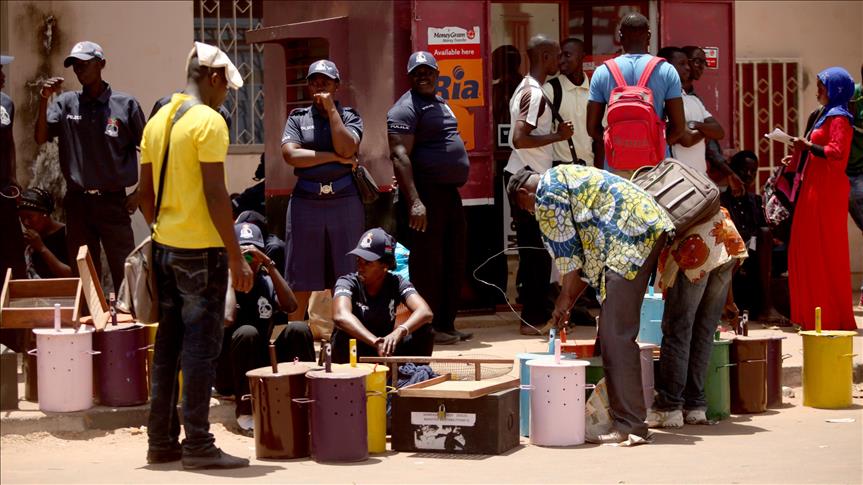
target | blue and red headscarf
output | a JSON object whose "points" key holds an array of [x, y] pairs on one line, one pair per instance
{"points": [[840, 89]]}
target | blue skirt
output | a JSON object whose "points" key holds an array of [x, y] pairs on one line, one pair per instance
{"points": [[319, 232]]}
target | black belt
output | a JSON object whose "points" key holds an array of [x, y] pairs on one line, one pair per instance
{"points": [[98, 192], [327, 188], [555, 163]]}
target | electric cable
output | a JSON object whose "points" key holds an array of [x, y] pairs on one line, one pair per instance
{"points": [[502, 291]]}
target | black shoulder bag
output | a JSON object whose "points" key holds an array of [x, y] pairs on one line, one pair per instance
{"points": [[555, 113]]}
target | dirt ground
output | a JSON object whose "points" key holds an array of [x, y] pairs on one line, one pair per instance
{"points": [[791, 445], [794, 444]]}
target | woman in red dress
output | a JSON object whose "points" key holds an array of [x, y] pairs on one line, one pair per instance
{"points": [[819, 266]]}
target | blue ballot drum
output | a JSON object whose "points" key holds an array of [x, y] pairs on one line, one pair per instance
{"points": [[650, 325]]}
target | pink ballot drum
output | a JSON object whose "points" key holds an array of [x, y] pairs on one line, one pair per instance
{"points": [[557, 402]]}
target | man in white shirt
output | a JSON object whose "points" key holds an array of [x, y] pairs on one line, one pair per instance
{"points": [[569, 92], [700, 124], [531, 138]]}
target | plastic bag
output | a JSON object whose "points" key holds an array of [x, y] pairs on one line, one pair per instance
{"points": [[598, 419]]}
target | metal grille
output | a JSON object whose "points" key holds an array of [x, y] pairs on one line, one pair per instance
{"points": [[224, 23], [767, 96]]}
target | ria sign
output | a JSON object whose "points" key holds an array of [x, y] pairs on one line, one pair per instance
{"points": [[455, 86]]}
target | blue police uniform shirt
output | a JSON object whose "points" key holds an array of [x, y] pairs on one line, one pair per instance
{"points": [[98, 139], [377, 313], [664, 82], [310, 129], [439, 155]]}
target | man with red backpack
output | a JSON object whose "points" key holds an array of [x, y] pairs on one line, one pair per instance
{"points": [[639, 90]]}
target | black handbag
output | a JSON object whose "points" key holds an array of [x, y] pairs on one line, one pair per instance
{"points": [[366, 185]]}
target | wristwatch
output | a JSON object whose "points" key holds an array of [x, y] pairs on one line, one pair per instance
{"points": [[691, 125]]}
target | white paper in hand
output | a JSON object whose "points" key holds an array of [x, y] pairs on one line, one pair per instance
{"points": [[780, 136]]}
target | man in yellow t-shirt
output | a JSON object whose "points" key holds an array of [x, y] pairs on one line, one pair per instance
{"points": [[194, 246]]}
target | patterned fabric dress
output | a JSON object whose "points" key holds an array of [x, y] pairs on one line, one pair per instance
{"points": [[591, 220], [701, 249]]}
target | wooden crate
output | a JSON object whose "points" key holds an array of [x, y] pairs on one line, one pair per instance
{"points": [[30, 303], [486, 425]]}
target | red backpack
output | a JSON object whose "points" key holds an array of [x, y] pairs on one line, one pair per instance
{"points": [[634, 135]]}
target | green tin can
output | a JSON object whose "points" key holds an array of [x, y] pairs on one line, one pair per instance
{"points": [[717, 384]]}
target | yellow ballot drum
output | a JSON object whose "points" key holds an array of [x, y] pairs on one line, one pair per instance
{"points": [[376, 404], [827, 368]]}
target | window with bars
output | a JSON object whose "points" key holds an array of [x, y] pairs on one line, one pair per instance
{"points": [[223, 23], [767, 96]]}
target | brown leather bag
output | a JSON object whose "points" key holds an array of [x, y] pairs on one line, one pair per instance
{"points": [[366, 185]]}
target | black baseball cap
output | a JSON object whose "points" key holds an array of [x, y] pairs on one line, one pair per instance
{"points": [[253, 217], [374, 245], [248, 234], [325, 67], [422, 58], [36, 199], [84, 51]]}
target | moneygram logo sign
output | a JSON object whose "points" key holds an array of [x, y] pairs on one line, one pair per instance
{"points": [[453, 35]]}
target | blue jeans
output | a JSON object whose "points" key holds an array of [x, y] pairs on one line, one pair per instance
{"points": [[192, 284], [855, 202], [692, 312]]}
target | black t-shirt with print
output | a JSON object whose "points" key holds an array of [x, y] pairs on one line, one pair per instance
{"points": [[377, 313], [258, 306]]}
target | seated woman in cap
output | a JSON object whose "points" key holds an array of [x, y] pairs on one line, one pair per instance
{"points": [[365, 302], [325, 215], [250, 323], [46, 253]]}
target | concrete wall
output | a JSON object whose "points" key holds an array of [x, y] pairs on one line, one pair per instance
{"points": [[370, 86], [821, 34], [145, 43]]}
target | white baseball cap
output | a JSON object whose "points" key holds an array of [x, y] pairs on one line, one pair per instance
{"points": [[212, 56], [84, 51]]}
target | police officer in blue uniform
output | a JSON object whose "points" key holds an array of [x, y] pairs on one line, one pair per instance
{"points": [[431, 163], [325, 216], [98, 130]]}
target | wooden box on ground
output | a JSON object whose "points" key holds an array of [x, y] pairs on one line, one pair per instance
{"points": [[30, 303], [486, 425]]}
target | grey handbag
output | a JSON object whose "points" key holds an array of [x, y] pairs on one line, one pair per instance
{"points": [[688, 195]]}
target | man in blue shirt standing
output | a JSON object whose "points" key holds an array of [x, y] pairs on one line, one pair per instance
{"points": [[431, 163], [99, 130], [664, 82]]}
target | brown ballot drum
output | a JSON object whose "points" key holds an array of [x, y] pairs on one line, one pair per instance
{"points": [[749, 375], [121, 367], [280, 410], [338, 415]]}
